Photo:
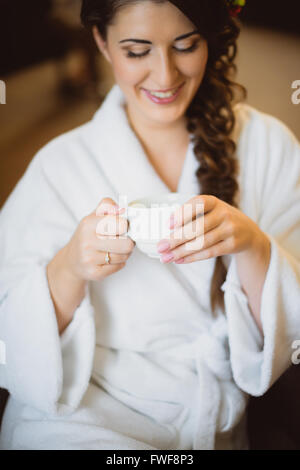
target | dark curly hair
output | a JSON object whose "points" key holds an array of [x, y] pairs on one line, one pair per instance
{"points": [[210, 116]]}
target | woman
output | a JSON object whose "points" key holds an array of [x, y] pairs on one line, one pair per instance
{"points": [[107, 348]]}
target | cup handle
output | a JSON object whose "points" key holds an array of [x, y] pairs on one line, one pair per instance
{"points": [[128, 233]]}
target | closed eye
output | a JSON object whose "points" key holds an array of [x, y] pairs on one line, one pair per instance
{"points": [[132, 55]]}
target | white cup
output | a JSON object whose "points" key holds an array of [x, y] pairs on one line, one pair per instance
{"points": [[149, 219]]}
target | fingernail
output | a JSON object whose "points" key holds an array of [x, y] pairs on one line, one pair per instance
{"points": [[163, 246], [107, 209], [167, 257]]}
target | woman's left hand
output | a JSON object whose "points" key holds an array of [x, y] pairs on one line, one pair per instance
{"points": [[207, 227]]}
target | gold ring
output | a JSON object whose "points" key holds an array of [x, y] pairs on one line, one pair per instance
{"points": [[107, 259]]}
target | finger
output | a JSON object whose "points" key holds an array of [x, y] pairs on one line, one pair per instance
{"points": [[114, 258], [108, 209], [220, 249], [108, 206], [115, 245], [198, 205], [202, 242], [198, 227], [112, 225]]}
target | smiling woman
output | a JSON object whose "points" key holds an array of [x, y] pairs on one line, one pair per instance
{"points": [[106, 347], [197, 56]]}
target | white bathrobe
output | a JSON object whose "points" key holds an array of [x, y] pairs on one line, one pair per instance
{"points": [[143, 364]]}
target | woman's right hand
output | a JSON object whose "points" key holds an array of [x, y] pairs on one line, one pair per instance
{"points": [[97, 234]]}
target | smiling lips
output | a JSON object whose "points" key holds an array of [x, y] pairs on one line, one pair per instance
{"points": [[164, 91], [163, 98], [164, 95]]}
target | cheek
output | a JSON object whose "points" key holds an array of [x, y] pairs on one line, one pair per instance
{"points": [[198, 70], [196, 67], [128, 71]]}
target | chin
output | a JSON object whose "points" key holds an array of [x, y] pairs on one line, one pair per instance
{"points": [[164, 118]]}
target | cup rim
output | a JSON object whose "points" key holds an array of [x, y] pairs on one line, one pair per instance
{"points": [[167, 196]]}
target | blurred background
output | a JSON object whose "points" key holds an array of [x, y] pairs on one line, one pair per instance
{"points": [[56, 79]]}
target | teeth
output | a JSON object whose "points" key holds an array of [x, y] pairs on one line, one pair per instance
{"points": [[164, 95]]}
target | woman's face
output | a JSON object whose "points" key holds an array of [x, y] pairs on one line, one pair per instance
{"points": [[163, 61]]}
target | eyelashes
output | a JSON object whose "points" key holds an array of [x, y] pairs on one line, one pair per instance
{"points": [[132, 55]]}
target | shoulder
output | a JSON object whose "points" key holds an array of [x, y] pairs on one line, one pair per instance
{"points": [[263, 138], [251, 121], [64, 163], [64, 148], [269, 158]]}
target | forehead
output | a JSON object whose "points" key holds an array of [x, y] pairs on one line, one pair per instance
{"points": [[148, 20]]}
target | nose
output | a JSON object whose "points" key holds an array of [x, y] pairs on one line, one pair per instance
{"points": [[165, 71]]}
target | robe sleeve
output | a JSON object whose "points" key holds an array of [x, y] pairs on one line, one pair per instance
{"points": [[43, 369], [259, 360]]}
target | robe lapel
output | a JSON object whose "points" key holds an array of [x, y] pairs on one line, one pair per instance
{"points": [[122, 156]]}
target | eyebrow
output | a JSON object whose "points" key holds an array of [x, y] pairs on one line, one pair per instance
{"points": [[143, 41]]}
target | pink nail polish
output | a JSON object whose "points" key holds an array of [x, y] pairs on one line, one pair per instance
{"points": [[167, 257], [180, 261], [163, 246]]}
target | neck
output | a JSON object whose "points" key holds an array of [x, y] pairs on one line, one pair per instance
{"points": [[157, 135]]}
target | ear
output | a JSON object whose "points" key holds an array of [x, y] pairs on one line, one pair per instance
{"points": [[102, 46]]}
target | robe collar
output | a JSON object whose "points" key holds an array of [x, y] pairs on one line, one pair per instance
{"points": [[122, 156]]}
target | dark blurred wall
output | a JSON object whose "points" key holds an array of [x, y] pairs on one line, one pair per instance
{"points": [[275, 14], [28, 34]]}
